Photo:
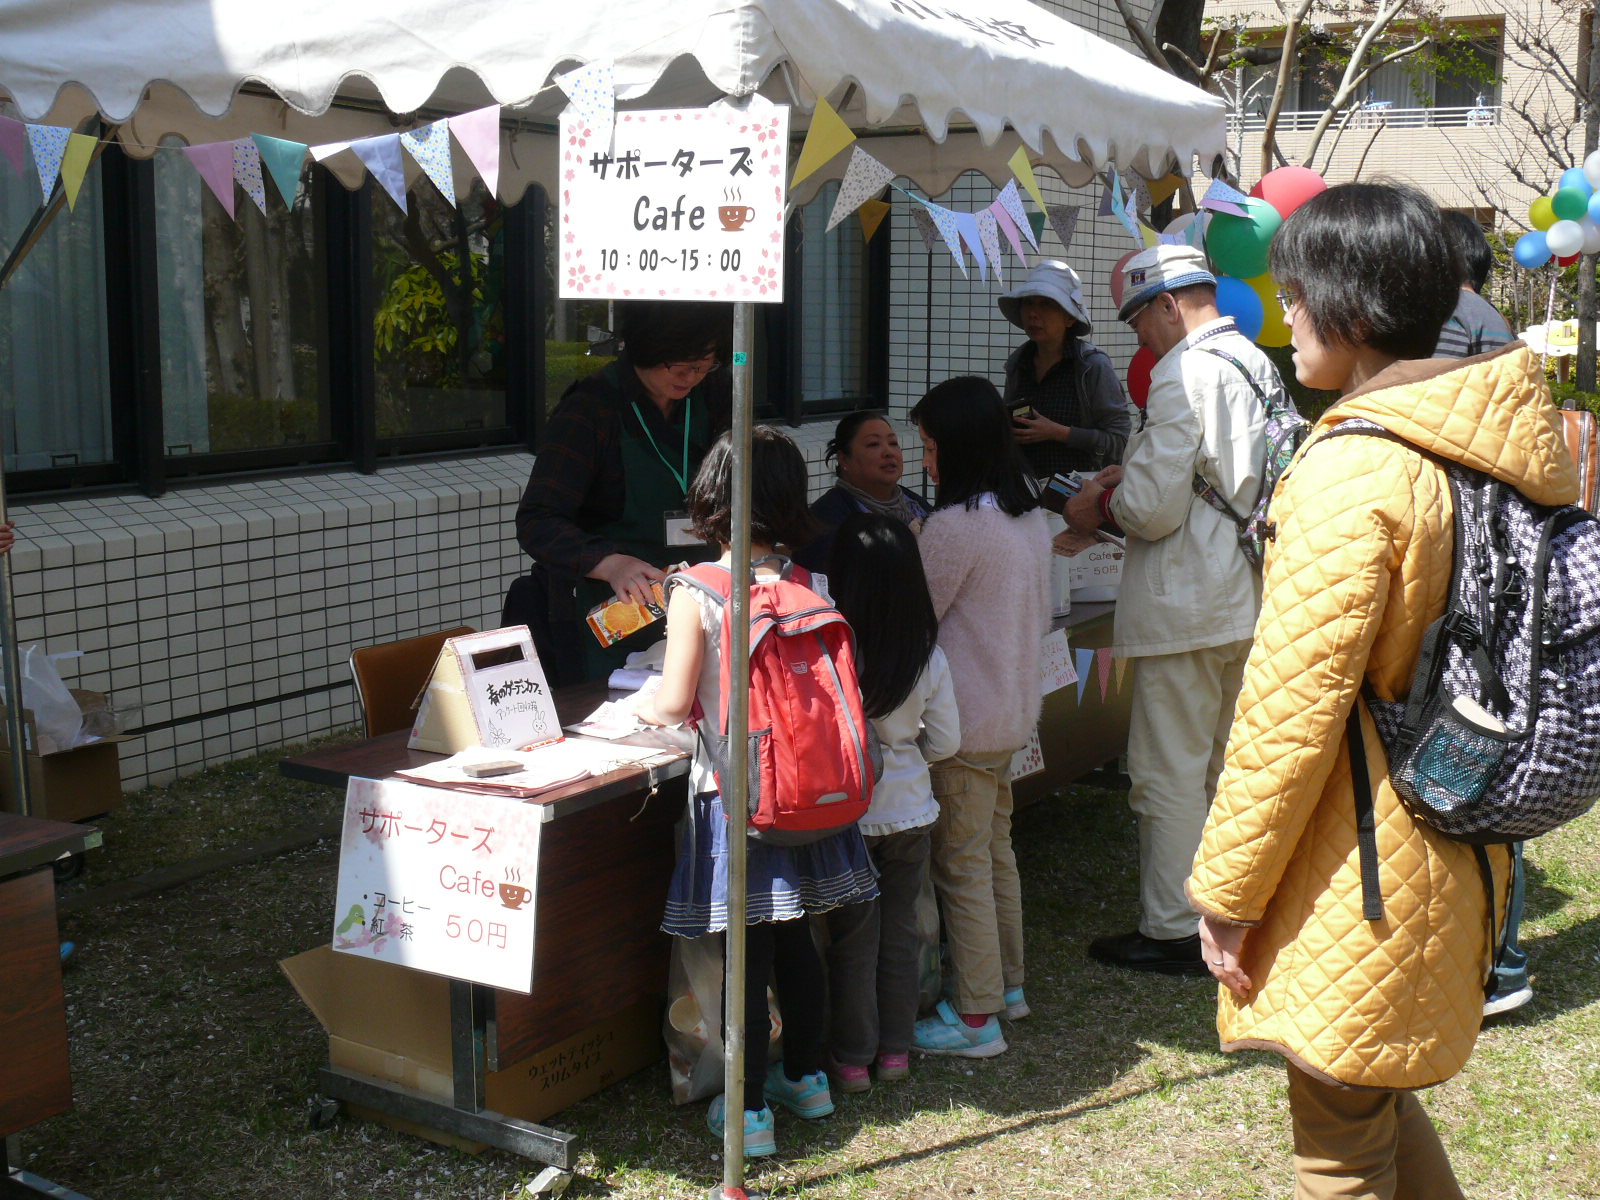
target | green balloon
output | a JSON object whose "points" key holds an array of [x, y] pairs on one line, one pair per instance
{"points": [[1570, 204], [1237, 246]]}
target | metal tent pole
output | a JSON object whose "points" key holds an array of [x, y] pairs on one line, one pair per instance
{"points": [[11, 671], [736, 797]]}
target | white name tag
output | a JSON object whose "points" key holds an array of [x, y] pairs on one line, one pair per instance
{"points": [[679, 531]]}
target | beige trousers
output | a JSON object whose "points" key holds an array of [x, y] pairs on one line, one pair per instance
{"points": [[975, 873], [1363, 1144], [1182, 710]]}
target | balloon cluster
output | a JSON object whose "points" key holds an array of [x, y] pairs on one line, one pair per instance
{"points": [[1237, 247], [1566, 223]]}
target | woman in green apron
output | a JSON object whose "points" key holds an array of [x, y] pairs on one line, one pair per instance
{"points": [[602, 513]]}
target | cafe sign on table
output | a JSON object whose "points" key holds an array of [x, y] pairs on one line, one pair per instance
{"points": [[439, 880], [680, 204]]}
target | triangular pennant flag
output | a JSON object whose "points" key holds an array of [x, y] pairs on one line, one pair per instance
{"points": [[871, 215], [1064, 220], [14, 142], [1160, 189], [1121, 665], [283, 160], [381, 155], [328, 150], [1084, 660], [1023, 170], [989, 235], [478, 133], [1170, 239], [1107, 205], [946, 222], [967, 223], [1011, 203], [1036, 223], [926, 226], [247, 172], [1196, 231], [1102, 662], [75, 164], [1003, 219], [49, 144], [1221, 197], [214, 161], [593, 92], [1147, 235], [1119, 209], [430, 146], [825, 137], [864, 178], [1141, 198]]}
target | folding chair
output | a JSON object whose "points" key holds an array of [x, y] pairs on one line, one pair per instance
{"points": [[391, 675]]}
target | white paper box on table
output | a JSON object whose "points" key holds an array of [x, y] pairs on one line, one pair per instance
{"points": [[487, 689]]}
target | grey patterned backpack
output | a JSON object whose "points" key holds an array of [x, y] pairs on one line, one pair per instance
{"points": [[1499, 737]]}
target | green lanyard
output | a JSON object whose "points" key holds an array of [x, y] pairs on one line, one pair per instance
{"points": [[688, 413]]}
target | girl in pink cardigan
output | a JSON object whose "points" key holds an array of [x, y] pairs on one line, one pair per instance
{"points": [[986, 549]]}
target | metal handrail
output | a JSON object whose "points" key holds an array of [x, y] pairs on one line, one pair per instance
{"points": [[1370, 115]]}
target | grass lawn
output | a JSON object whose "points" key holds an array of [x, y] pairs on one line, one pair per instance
{"points": [[194, 1061]]}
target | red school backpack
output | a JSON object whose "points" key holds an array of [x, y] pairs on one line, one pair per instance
{"points": [[811, 747]]}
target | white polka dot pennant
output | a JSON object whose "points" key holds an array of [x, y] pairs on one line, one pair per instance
{"points": [[247, 172], [1010, 200], [49, 143], [926, 226], [864, 178], [989, 235], [945, 219], [430, 146], [592, 90]]}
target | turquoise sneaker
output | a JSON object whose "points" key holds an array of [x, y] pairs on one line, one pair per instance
{"points": [[806, 1097], [1016, 1007], [759, 1139], [946, 1033]]}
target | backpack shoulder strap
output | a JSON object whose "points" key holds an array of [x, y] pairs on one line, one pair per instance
{"points": [[1243, 370], [1366, 817]]}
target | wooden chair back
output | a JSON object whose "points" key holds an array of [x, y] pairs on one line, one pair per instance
{"points": [[391, 675]]}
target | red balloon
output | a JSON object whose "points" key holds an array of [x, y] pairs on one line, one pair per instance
{"points": [[1569, 259], [1139, 371], [1116, 276], [1287, 188]]}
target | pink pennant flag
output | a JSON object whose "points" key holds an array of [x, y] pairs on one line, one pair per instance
{"points": [[1222, 197], [1102, 662], [478, 132], [247, 172], [49, 144], [214, 161], [14, 142], [1011, 202], [381, 155], [1003, 219]]}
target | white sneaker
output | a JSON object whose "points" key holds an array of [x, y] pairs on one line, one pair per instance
{"points": [[1504, 1002], [1016, 1006]]}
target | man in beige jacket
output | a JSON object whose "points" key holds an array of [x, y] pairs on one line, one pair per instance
{"points": [[1188, 601]]}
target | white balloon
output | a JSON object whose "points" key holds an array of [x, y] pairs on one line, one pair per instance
{"points": [[1591, 169], [1564, 238], [1591, 235]]}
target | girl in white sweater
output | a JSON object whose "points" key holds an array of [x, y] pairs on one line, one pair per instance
{"points": [[874, 959], [986, 549]]}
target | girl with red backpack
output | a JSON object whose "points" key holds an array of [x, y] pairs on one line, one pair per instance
{"points": [[785, 883]]}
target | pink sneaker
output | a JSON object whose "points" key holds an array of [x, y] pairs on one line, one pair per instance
{"points": [[847, 1078], [893, 1067]]}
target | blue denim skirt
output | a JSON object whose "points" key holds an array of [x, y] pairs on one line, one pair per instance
{"points": [[782, 882]]}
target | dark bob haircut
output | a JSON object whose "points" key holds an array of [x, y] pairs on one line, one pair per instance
{"points": [[971, 431], [878, 583], [778, 477], [1466, 235], [845, 432], [655, 332], [1370, 265]]}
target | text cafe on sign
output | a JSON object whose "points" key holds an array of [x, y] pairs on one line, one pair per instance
{"points": [[681, 204]]}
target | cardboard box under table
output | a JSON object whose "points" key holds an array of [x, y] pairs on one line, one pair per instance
{"points": [[463, 1050], [67, 785]]}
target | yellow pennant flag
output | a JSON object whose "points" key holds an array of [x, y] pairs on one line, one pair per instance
{"points": [[1160, 189], [827, 136], [871, 214], [75, 164], [1147, 235], [1023, 170]]}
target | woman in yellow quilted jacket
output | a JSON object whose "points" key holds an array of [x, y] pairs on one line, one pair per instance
{"points": [[1364, 1011]]}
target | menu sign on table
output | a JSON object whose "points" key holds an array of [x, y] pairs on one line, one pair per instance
{"points": [[680, 204], [439, 881]]}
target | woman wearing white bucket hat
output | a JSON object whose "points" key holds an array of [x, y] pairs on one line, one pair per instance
{"points": [[1068, 411]]}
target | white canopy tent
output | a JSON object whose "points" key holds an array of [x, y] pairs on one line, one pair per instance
{"points": [[939, 92]]}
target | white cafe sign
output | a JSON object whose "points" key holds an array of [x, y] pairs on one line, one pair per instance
{"points": [[682, 204]]}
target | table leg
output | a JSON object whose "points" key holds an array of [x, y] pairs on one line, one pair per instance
{"points": [[17, 1184]]}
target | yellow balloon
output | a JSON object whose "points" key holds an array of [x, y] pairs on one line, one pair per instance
{"points": [[1274, 332], [1541, 213]]}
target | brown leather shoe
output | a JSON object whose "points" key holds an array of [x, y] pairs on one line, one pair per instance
{"points": [[1164, 956]]}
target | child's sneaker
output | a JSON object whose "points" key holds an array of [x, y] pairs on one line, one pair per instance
{"points": [[893, 1067], [806, 1097], [759, 1139], [848, 1078], [946, 1033], [1016, 1007]]}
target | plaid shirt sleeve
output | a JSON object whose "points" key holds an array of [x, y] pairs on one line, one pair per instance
{"points": [[576, 485]]}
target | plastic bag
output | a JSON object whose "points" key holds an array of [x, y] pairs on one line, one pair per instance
{"points": [[693, 1024], [57, 719]]}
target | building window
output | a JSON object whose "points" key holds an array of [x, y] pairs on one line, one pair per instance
{"points": [[243, 334]]}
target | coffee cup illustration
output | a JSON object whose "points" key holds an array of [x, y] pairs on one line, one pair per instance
{"points": [[514, 895], [733, 216]]}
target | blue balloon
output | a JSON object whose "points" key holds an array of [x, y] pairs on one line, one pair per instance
{"points": [[1574, 177], [1531, 250], [1594, 206], [1237, 299]]}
